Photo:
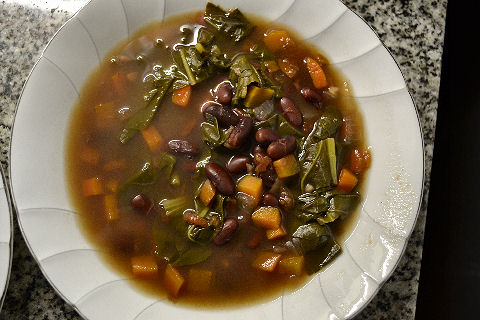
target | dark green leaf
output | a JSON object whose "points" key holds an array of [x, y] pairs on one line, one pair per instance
{"points": [[309, 237], [233, 24], [315, 167], [280, 124], [212, 135], [192, 256], [145, 176], [328, 124], [242, 74], [340, 205], [320, 257], [142, 118]]}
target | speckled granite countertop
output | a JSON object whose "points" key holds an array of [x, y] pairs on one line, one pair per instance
{"points": [[413, 30]]}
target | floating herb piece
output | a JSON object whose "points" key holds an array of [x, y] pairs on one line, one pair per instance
{"points": [[233, 24]]}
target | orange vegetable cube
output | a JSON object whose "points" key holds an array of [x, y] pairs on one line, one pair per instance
{"points": [[286, 166], [199, 280], [207, 192], [181, 97], [144, 266], [346, 181], [267, 217], [288, 67], [173, 280], [277, 39], [119, 81], [276, 233], [291, 265], [110, 204], [253, 186], [256, 96], [317, 74], [90, 155], [92, 187], [152, 137], [272, 66], [360, 161], [266, 261]]}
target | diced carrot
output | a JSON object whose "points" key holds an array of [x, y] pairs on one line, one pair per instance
{"points": [[173, 280], [207, 192], [253, 186], [105, 115], [115, 165], [254, 240], [181, 96], [347, 180], [277, 39], [276, 233], [272, 66], [291, 265], [360, 161], [112, 185], [111, 210], [317, 74], [92, 186], [90, 155], [143, 266], [199, 280], [119, 81], [286, 166], [288, 67], [152, 137], [266, 261], [267, 217]]}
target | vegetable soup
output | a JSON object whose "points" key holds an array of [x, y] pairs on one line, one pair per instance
{"points": [[216, 159]]}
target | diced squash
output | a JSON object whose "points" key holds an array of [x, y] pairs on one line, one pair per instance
{"points": [[276, 233], [288, 67], [291, 265], [115, 165], [111, 210], [152, 137], [256, 96], [144, 266], [272, 66], [92, 186], [253, 186], [199, 280], [119, 81], [276, 40], [207, 192], [286, 166], [90, 155], [112, 185], [317, 74], [173, 280], [266, 261], [181, 97], [267, 217], [347, 180]]}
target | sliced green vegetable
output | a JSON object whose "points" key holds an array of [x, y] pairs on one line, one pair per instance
{"points": [[175, 207], [206, 235], [281, 125], [309, 237], [233, 24], [328, 124], [340, 205], [145, 176], [212, 135], [317, 165], [142, 118], [242, 74]]}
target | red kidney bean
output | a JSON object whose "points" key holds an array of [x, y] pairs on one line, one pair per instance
{"points": [[269, 199], [268, 176], [182, 146], [225, 116], [230, 225], [313, 97], [290, 111], [224, 93], [238, 164], [220, 179], [141, 203], [240, 133], [280, 148], [266, 136]]}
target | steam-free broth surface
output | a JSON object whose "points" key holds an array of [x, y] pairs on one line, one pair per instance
{"points": [[143, 199]]}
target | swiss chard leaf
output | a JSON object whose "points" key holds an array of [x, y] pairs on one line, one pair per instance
{"points": [[142, 118], [315, 166], [145, 176], [205, 235], [242, 74], [340, 205], [280, 124], [233, 24], [212, 135], [193, 255], [320, 257], [167, 162], [328, 123], [309, 237]]}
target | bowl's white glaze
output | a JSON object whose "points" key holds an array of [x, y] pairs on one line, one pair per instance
{"points": [[74, 268]]}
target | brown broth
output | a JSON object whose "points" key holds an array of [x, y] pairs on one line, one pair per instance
{"points": [[100, 115]]}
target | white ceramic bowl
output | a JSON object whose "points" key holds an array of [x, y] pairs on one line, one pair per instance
{"points": [[5, 238], [73, 267]]}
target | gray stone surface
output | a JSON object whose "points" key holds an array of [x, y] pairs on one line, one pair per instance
{"points": [[412, 30]]}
